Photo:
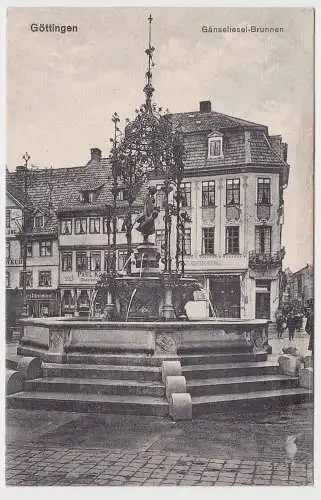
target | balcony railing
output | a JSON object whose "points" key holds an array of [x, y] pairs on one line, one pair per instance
{"points": [[270, 260]]}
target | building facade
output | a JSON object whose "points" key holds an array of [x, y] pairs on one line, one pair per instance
{"points": [[235, 174]]}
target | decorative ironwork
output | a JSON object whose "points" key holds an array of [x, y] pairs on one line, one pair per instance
{"points": [[264, 261], [148, 146]]}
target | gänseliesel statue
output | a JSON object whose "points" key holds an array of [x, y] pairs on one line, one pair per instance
{"points": [[146, 222]]}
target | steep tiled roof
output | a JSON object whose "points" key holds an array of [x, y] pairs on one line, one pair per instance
{"points": [[244, 143], [197, 122]]}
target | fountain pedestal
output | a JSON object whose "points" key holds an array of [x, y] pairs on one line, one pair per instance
{"points": [[147, 260], [168, 312]]}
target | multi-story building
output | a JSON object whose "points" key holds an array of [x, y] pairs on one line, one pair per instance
{"points": [[235, 174]]}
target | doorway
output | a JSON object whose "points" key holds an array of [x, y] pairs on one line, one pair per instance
{"points": [[262, 299]]}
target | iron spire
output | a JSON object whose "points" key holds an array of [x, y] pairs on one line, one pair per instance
{"points": [[149, 89]]}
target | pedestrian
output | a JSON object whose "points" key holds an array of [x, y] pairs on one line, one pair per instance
{"points": [[309, 328], [291, 325], [280, 325]]}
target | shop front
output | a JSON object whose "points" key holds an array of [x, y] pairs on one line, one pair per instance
{"points": [[42, 303]]}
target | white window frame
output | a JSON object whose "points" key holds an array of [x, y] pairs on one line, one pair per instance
{"points": [[42, 221], [211, 141]]}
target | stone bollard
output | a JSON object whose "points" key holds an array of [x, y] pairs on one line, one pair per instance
{"points": [[306, 378], [289, 365], [180, 406], [30, 367], [170, 368], [14, 381], [175, 384]]}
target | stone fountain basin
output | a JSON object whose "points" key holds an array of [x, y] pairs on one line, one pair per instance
{"points": [[53, 338]]}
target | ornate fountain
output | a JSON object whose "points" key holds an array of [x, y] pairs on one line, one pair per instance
{"points": [[144, 310]]}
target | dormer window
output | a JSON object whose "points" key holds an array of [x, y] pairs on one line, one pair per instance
{"points": [[215, 146], [87, 196], [38, 221]]}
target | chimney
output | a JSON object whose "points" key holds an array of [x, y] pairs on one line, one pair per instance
{"points": [[95, 154], [205, 106]]}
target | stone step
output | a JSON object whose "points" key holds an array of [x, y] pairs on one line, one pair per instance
{"points": [[118, 359], [257, 399], [230, 370], [145, 360], [96, 386], [232, 385], [116, 372], [198, 359], [89, 403], [214, 346]]}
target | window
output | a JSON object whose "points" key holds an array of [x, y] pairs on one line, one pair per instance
{"points": [[8, 249], [122, 258], [82, 262], [160, 239], [66, 261], [45, 248], [160, 197], [29, 249], [94, 225], [208, 240], [81, 226], [214, 147], [232, 244], [7, 279], [263, 239], [122, 195], [263, 191], [208, 194], [105, 225], [95, 261], [87, 196], [232, 191], [186, 194], [187, 242], [38, 221], [44, 278], [8, 218], [66, 226], [28, 279], [121, 227]]}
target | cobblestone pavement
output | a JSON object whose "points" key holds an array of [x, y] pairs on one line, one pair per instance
{"points": [[97, 467]]}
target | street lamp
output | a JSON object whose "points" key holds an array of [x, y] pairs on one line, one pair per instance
{"points": [[26, 157]]}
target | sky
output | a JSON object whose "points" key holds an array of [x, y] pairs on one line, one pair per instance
{"points": [[62, 89]]}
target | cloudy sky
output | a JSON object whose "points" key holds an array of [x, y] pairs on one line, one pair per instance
{"points": [[63, 89]]}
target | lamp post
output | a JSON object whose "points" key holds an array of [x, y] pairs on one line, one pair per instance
{"points": [[115, 119], [26, 157]]}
